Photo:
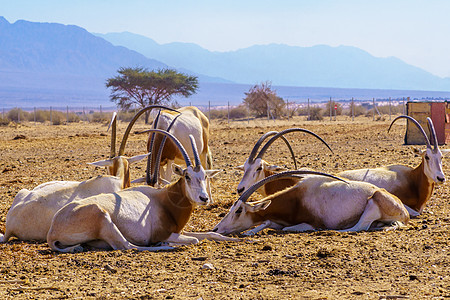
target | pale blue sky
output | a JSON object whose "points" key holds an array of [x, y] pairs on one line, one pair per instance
{"points": [[416, 31]]}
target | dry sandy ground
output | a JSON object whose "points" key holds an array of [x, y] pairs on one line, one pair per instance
{"points": [[409, 263]]}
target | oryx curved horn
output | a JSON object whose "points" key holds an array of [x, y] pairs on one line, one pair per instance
{"points": [[113, 124], [283, 132], [415, 123], [154, 125], [151, 180], [255, 149], [176, 142], [245, 195], [130, 125], [194, 150], [433, 138]]}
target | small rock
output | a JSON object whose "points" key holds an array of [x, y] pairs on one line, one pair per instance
{"points": [[289, 256], [208, 266], [200, 258], [413, 277], [19, 137], [111, 269]]}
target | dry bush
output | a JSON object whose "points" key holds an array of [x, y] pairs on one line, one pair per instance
{"points": [[315, 114], [17, 115], [238, 112]]}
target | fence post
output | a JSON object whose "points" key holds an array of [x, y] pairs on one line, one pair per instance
{"points": [[34, 109], [390, 109], [67, 114], [209, 110], [18, 115], [404, 106], [373, 110], [228, 106], [309, 111], [331, 118], [353, 110], [51, 120]]}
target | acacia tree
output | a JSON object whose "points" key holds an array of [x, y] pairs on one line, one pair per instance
{"points": [[261, 99], [142, 87]]}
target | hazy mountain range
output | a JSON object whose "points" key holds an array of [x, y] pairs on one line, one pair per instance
{"points": [[44, 63], [317, 66]]}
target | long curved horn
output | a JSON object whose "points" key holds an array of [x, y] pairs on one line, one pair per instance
{"points": [[258, 144], [281, 133], [415, 123], [113, 124], [176, 142], [245, 195], [433, 133], [151, 180], [130, 125], [255, 149], [194, 150], [154, 125], [148, 176]]}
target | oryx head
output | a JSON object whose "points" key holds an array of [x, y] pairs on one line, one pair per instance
{"points": [[256, 169], [118, 165], [432, 155], [194, 177]]}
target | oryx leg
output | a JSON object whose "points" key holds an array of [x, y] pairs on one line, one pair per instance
{"points": [[383, 207], [412, 212], [264, 225], [212, 236], [76, 224], [181, 239], [299, 228], [371, 213]]}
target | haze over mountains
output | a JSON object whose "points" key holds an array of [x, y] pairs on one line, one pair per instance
{"points": [[55, 64], [317, 66]]}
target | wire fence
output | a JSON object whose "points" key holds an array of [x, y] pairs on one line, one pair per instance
{"points": [[312, 110]]}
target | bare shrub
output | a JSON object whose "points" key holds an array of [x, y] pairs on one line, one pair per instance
{"points": [[315, 114], [238, 112], [17, 114]]}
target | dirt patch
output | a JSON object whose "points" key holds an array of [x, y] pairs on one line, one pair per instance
{"points": [[410, 263]]}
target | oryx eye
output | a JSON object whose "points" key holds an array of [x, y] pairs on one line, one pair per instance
{"points": [[187, 177], [259, 169], [427, 157], [239, 210]]}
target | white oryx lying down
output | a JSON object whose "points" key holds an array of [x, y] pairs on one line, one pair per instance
{"points": [[31, 212], [256, 168], [413, 186], [136, 217], [315, 202]]}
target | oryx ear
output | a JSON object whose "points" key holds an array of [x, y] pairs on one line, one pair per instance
{"points": [[137, 158], [417, 150], [240, 168], [260, 206], [274, 168], [178, 170], [102, 163], [212, 173]]}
